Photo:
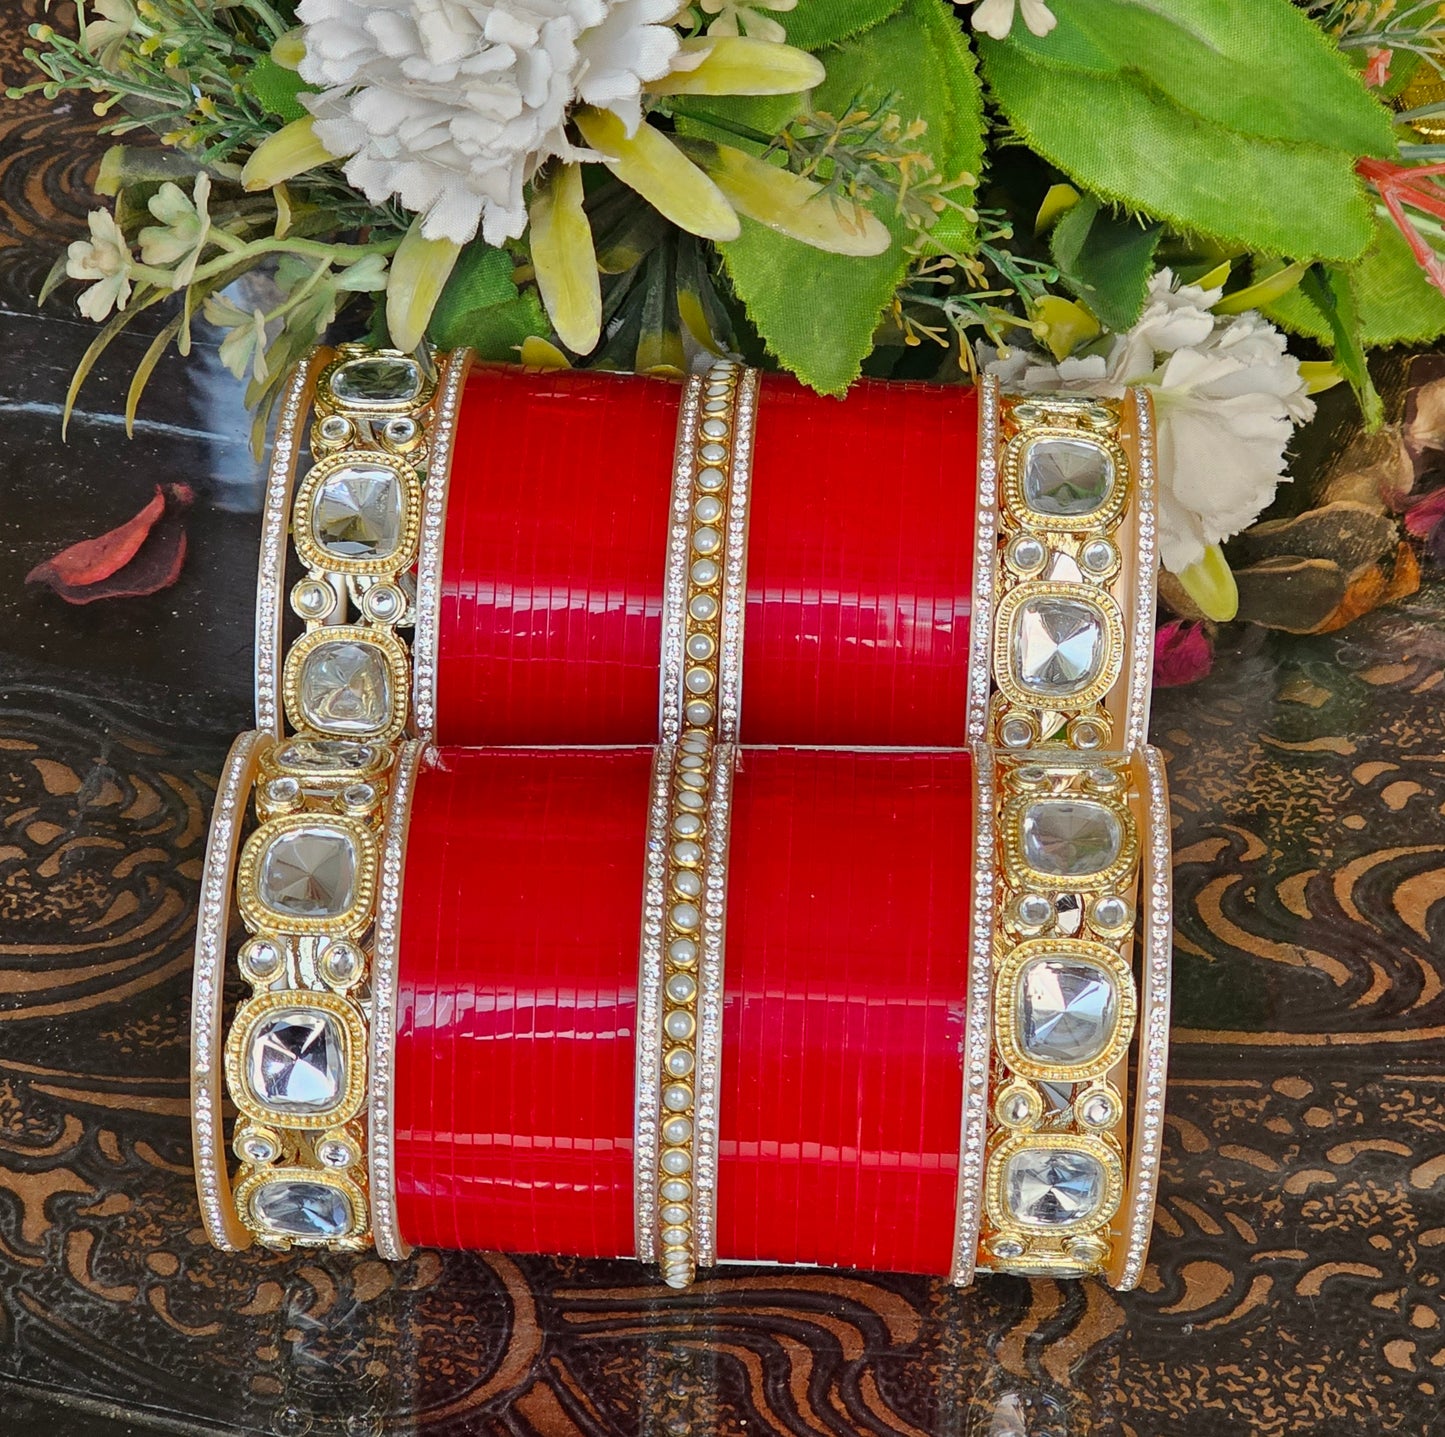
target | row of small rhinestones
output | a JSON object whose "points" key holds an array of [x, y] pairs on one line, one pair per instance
{"points": [[385, 954], [985, 563], [649, 1000], [977, 1046], [675, 579], [734, 601], [684, 942], [206, 983], [271, 576], [1146, 492], [429, 559], [1154, 1027]]}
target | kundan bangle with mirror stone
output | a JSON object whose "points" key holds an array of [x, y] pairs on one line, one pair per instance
{"points": [[296, 1057], [1065, 571], [1072, 836], [365, 516]]}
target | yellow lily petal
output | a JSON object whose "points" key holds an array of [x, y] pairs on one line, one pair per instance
{"points": [[1319, 375], [289, 49], [735, 65], [565, 259], [1063, 325], [652, 165], [1058, 199], [1264, 291], [787, 202], [419, 272], [539, 353], [291, 151], [1209, 582]]}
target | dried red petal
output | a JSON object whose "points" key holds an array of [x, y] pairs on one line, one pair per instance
{"points": [[1183, 654], [141, 556], [1425, 514]]}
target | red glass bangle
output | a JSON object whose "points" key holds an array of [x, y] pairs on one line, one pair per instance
{"points": [[859, 569], [846, 980]]}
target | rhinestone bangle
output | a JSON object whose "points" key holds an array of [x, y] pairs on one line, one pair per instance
{"points": [[316, 885], [366, 524], [1062, 647], [1072, 835]]}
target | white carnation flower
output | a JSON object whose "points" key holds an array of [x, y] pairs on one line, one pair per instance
{"points": [[1227, 395], [450, 106]]}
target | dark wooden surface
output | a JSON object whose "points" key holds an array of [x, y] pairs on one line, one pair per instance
{"points": [[1295, 1280]]}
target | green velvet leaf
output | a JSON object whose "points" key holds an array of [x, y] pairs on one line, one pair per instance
{"points": [[814, 23], [1396, 303], [1329, 290], [816, 312], [277, 89], [1257, 67], [483, 309], [1128, 143], [1106, 260]]}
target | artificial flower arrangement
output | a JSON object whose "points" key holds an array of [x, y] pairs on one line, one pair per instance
{"points": [[1229, 201]]}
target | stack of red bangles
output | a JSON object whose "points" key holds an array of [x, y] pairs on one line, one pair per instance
{"points": [[559, 937]]}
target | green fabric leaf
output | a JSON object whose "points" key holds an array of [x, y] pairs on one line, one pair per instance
{"points": [[1329, 290], [1257, 67], [817, 313], [1111, 134], [483, 309], [1396, 303], [815, 23], [1106, 260], [277, 88]]}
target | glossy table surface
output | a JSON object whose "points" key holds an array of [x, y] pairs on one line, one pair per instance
{"points": [[1294, 1284]]}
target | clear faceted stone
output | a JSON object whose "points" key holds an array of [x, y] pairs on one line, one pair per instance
{"points": [[377, 379], [1058, 645], [325, 755], [1067, 477], [357, 512], [1067, 1010], [346, 687], [308, 1211], [297, 1062], [309, 873], [1070, 837], [1052, 1188]]}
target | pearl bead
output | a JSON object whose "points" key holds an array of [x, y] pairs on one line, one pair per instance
{"points": [[693, 780], [718, 404], [706, 540], [698, 681], [676, 1190], [678, 1062], [685, 916], [677, 1097], [679, 1025], [703, 608], [683, 952], [692, 762], [685, 825], [674, 1213], [712, 453], [700, 647], [711, 478], [705, 572], [687, 883], [674, 1236], [699, 712], [688, 852], [681, 988], [715, 428], [676, 1161], [695, 743], [677, 1130], [686, 799]]}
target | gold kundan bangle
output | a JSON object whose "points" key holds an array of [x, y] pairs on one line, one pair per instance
{"points": [[1065, 571], [1079, 891]]}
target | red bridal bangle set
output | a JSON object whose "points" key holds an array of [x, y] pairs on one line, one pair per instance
{"points": [[558, 937]]}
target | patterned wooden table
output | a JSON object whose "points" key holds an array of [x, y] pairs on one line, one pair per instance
{"points": [[1294, 1284]]}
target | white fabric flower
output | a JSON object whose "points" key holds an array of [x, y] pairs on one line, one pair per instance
{"points": [[739, 17], [996, 17], [243, 350], [185, 227], [105, 258], [450, 106], [1227, 395]]}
